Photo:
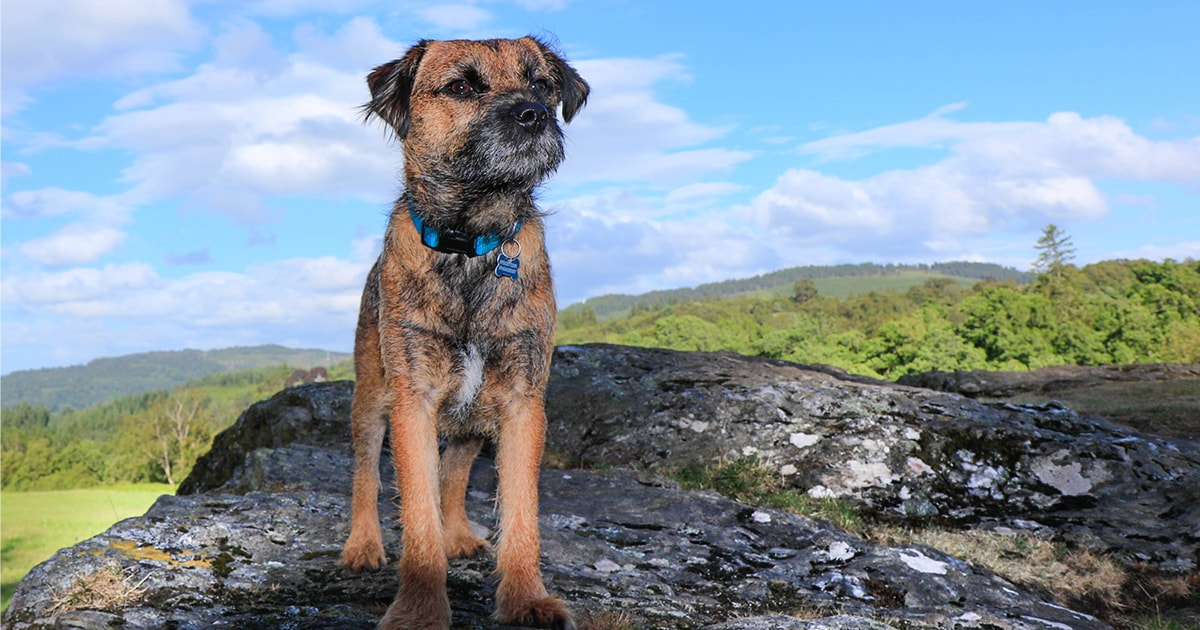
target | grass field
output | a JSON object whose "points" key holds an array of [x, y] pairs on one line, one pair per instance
{"points": [[33, 525], [844, 287]]}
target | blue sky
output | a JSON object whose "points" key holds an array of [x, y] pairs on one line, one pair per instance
{"points": [[196, 174]]}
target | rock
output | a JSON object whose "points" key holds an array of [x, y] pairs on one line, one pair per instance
{"points": [[252, 539], [612, 541], [987, 384], [1159, 398], [779, 622], [301, 415], [904, 452]]}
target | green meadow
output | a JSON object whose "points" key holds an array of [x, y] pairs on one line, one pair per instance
{"points": [[33, 525]]}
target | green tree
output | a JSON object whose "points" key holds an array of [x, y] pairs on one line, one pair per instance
{"points": [[1011, 326], [173, 433], [921, 342], [687, 332], [803, 291], [1055, 252]]}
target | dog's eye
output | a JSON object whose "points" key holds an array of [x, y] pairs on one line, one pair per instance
{"points": [[541, 86], [461, 87]]}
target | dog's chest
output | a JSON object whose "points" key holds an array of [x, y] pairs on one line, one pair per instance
{"points": [[469, 371]]}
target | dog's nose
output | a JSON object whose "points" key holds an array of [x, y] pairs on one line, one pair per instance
{"points": [[532, 117]]}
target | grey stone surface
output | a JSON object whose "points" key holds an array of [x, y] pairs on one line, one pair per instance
{"points": [[253, 538], [905, 452]]}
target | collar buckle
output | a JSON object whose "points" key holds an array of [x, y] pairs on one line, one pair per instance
{"points": [[456, 241]]}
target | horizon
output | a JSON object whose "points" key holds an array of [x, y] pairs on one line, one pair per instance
{"points": [[197, 176], [350, 352]]}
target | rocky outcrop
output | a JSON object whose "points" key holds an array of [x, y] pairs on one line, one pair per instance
{"points": [[904, 452], [988, 384], [252, 539], [1156, 398]]}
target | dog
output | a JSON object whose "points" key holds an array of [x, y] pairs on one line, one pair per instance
{"points": [[456, 326]]}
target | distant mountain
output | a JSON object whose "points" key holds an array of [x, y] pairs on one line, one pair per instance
{"points": [[840, 280], [102, 380]]}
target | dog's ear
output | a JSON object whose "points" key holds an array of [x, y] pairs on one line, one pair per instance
{"points": [[574, 89], [391, 88]]}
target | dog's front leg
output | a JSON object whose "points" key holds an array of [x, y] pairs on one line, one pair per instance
{"points": [[461, 542], [421, 601], [521, 598]]}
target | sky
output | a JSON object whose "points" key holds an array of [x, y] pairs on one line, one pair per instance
{"points": [[197, 174]]}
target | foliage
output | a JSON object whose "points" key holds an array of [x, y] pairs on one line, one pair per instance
{"points": [[804, 290], [1056, 252], [153, 437], [1107, 313]]}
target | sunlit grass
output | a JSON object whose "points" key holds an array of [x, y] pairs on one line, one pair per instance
{"points": [[33, 525]]}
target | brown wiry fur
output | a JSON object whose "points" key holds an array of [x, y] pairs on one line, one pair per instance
{"points": [[432, 323]]}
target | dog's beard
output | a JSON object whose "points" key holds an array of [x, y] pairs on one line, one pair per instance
{"points": [[500, 156]]}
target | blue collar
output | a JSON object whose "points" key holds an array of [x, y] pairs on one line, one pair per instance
{"points": [[455, 241]]}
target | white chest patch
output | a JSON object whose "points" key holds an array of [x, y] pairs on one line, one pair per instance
{"points": [[472, 378]]}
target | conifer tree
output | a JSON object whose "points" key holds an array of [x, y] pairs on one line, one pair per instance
{"points": [[1056, 252]]}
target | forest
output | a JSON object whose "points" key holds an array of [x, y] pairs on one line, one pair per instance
{"points": [[153, 437], [1112, 312]]}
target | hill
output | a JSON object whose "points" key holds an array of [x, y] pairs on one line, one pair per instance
{"points": [[103, 380], [833, 280]]}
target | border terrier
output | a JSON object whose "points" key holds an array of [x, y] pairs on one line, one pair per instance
{"points": [[456, 327]]}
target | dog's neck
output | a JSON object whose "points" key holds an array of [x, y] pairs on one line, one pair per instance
{"points": [[458, 241]]}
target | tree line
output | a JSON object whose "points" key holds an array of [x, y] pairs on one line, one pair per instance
{"points": [[608, 306], [153, 437], [1113, 312]]}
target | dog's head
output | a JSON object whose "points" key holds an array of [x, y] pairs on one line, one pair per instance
{"points": [[478, 116]]}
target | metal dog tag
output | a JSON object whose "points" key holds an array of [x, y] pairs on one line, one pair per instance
{"points": [[508, 266]]}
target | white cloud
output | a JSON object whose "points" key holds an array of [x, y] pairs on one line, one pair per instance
{"points": [[77, 286], [48, 41], [356, 47], [10, 170], [255, 123], [543, 5], [73, 244], [48, 202], [622, 242], [292, 7], [95, 231], [996, 176], [625, 133], [1065, 142], [1177, 251], [287, 293], [703, 191]]}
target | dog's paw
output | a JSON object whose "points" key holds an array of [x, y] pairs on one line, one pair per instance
{"points": [[364, 553], [417, 609], [465, 546], [465, 540], [546, 612]]}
